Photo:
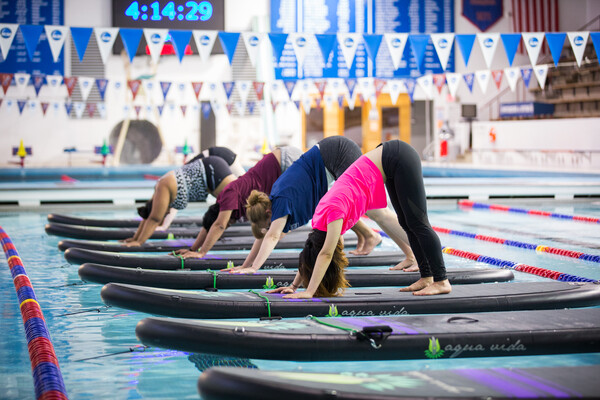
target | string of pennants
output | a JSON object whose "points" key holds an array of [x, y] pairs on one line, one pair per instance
{"points": [[396, 42], [219, 94]]}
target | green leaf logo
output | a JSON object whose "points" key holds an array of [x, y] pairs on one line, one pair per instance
{"points": [[333, 312], [269, 284], [435, 350], [229, 264]]}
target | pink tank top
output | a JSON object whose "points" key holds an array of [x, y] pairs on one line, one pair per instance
{"points": [[358, 190]]}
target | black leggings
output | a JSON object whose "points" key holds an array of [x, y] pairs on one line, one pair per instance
{"points": [[404, 182]]}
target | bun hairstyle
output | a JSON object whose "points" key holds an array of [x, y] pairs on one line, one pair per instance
{"points": [[257, 205], [210, 216], [334, 282], [144, 211]]}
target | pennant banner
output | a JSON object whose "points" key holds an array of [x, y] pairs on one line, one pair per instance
{"points": [[488, 43], [299, 44], [442, 42], [426, 83], [578, 42], [396, 43], [81, 38], [533, 43], [38, 82], [252, 41], [541, 72], [526, 75], [349, 43], [155, 40], [465, 44], [278, 44], [205, 40], [372, 44], [101, 84], [395, 87], [556, 42], [258, 89], [497, 77], [511, 44], [418, 43], [70, 83], [131, 40], [512, 77], [197, 86], [164, 87], [483, 78], [5, 80], [229, 41], [31, 36], [243, 88], [453, 82], [85, 85], [105, 37], [7, 34], [181, 40], [56, 36]]}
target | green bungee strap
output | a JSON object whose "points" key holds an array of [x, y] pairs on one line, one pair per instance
{"points": [[264, 298], [214, 274], [312, 317], [181, 257]]}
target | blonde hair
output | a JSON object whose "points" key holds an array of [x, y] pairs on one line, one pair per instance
{"points": [[257, 205]]}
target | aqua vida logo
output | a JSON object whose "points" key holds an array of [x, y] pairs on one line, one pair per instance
{"points": [[435, 350]]}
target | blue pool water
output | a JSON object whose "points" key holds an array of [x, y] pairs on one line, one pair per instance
{"points": [[100, 356]]}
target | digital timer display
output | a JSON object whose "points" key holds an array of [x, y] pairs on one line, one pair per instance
{"points": [[177, 14]]}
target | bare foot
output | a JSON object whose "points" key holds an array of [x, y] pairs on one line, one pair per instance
{"points": [[442, 287], [418, 285], [370, 243], [408, 265], [359, 245]]}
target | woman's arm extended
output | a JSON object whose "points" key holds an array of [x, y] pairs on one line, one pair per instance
{"points": [[266, 248], [214, 234], [334, 230], [160, 205]]}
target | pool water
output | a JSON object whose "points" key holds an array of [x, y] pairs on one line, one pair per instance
{"points": [[100, 356]]}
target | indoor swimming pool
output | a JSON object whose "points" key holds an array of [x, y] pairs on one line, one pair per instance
{"points": [[100, 356]]}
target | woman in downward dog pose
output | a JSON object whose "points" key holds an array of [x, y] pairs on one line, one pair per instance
{"points": [[295, 196], [396, 166], [231, 202]]}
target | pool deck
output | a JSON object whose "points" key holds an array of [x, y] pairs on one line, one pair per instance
{"points": [[33, 187]]}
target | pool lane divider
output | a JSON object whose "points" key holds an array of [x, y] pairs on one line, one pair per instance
{"points": [[546, 249], [47, 378], [498, 207]]}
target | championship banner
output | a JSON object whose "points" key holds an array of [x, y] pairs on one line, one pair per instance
{"points": [[482, 14]]}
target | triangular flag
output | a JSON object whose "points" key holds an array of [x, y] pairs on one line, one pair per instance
{"points": [[22, 80], [134, 86], [206, 109], [243, 88], [410, 84], [395, 87], [453, 81], [149, 85], [299, 44], [38, 82], [8, 104], [497, 77], [105, 37], [68, 108], [252, 41], [212, 89], [81, 38], [556, 42], [79, 109], [137, 110], [512, 77], [258, 89], [320, 85], [155, 40], [148, 110], [160, 108], [418, 43], [278, 43], [70, 82], [21, 104], [366, 86], [396, 43], [526, 75], [328, 99], [90, 108], [229, 107], [326, 44], [465, 44], [426, 83], [56, 36], [442, 42], [229, 41], [164, 87], [251, 106], [180, 39], [56, 107], [197, 86], [349, 43], [511, 44], [44, 106], [533, 43], [5, 80], [351, 84], [205, 40], [7, 34], [378, 84], [32, 104], [31, 36], [275, 86], [340, 103], [483, 78], [240, 107], [306, 103], [131, 40], [578, 42], [228, 86], [181, 87], [595, 36], [469, 80], [488, 43], [101, 107], [85, 85], [439, 80], [101, 84], [372, 44], [54, 81], [335, 85], [183, 109], [541, 72]]}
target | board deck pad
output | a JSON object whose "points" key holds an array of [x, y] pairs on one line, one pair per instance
{"points": [[117, 223], [101, 233], [354, 302], [540, 382], [215, 261], [293, 240], [426, 337], [262, 279]]}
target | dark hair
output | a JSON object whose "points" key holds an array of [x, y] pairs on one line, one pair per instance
{"points": [[145, 210], [257, 205], [210, 216], [334, 282]]}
